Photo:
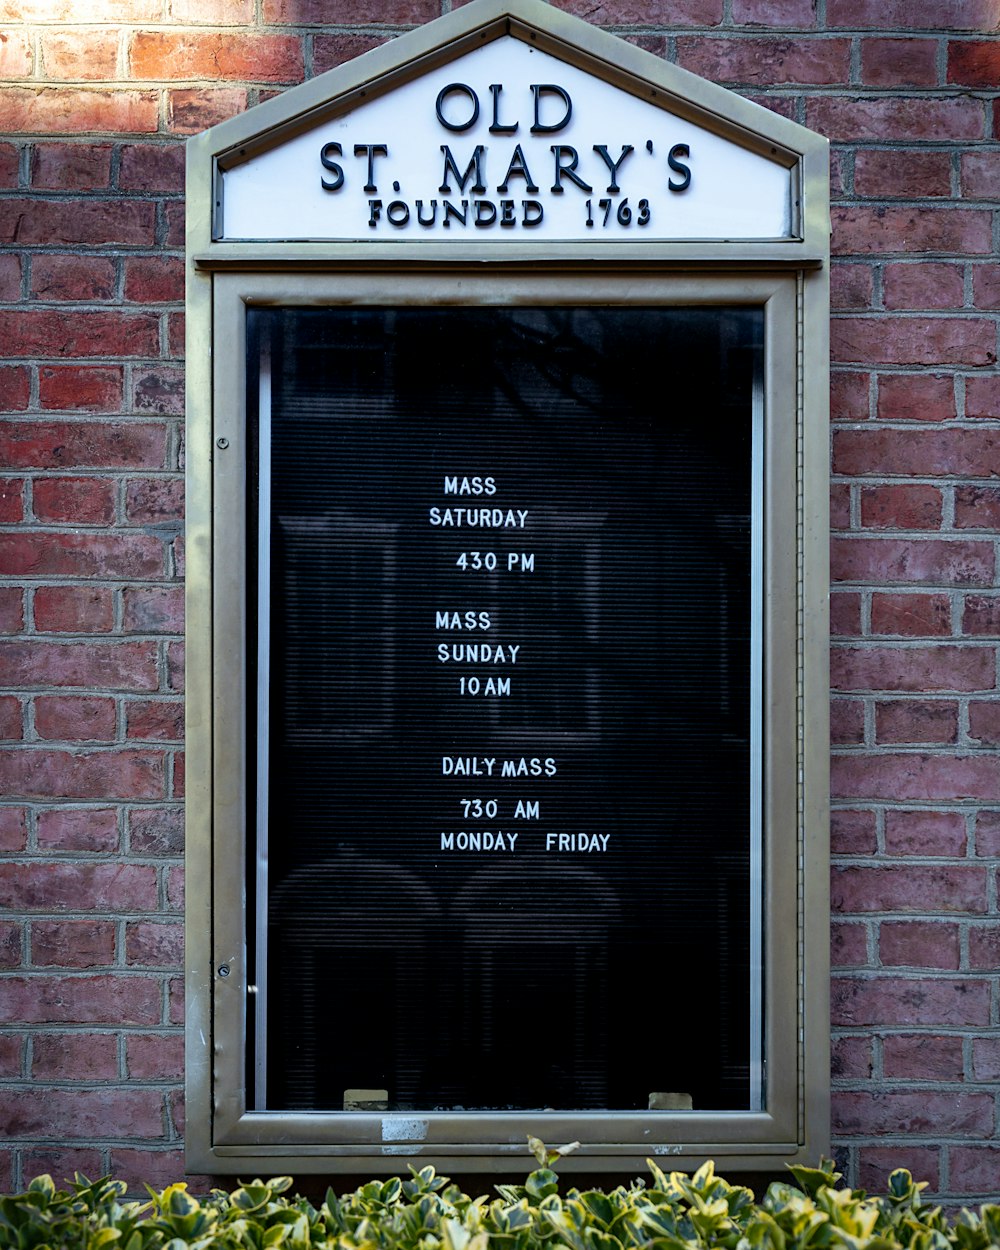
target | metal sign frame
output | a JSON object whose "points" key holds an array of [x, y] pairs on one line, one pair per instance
{"points": [[789, 280]]}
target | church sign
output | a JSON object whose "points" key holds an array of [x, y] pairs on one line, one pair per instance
{"points": [[506, 811]]}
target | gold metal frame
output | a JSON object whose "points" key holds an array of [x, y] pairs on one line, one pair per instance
{"points": [[789, 280]]}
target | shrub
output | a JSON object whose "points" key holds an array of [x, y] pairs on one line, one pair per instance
{"points": [[672, 1211]]}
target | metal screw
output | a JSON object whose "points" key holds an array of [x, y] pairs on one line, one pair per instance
{"points": [[222, 443], [223, 970]]}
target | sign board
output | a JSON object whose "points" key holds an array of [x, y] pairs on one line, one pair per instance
{"points": [[507, 451], [507, 142]]}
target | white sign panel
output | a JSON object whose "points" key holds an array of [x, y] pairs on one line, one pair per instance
{"points": [[506, 142]]}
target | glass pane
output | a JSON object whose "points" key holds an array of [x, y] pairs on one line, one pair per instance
{"points": [[507, 737]]}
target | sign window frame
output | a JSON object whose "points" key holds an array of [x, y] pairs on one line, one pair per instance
{"points": [[222, 1132]]}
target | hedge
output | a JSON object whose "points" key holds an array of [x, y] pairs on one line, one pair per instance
{"points": [[672, 1211]]}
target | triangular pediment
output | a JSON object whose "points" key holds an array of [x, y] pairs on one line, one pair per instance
{"points": [[509, 122]]}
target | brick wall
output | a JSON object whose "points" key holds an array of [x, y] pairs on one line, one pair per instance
{"points": [[96, 98]]}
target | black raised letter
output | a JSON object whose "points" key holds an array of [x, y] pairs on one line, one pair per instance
{"points": [[559, 149], [372, 150], [497, 127], [330, 150], [614, 166], [550, 87], [679, 149], [518, 165], [451, 89], [476, 164]]}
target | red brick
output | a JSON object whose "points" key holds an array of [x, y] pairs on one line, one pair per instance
{"points": [[75, 1057], [920, 286], [977, 507], [152, 501], [852, 832], [403, 12], [986, 1058], [877, 1163], [798, 13], [918, 944], [849, 399], [331, 50], [77, 885], [984, 946], [177, 555], [55, 277], [895, 1000], [176, 997], [193, 109], [48, 554], [916, 720], [921, 1057], [766, 61], [154, 609], [10, 278], [78, 829], [11, 718], [11, 500], [152, 166], [848, 945], [858, 229], [984, 723], [82, 388], [13, 829], [912, 777], [850, 119], [913, 340], [982, 398], [899, 62], [11, 1058], [974, 62], [70, 167], [80, 54], [15, 388], [156, 831], [918, 452], [175, 888], [175, 667], [106, 665], [974, 1169], [845, 614], [911, 615], [10, 163], [911, 561], [916, 507], [980, 171], [154, 279], [175, 334], [851, 1058], [916, 669], [847, 722], [908, 888], [11, 610], [178, 774], [81, 221], [981, 615], [16, 60], [87, 1115], [840, 506], [212, 12], [49, 332], [151, 944], [155, 721], [74, 500], [72, 943], [11, 947], [924, 833], [851, 287], [155, 1056], [168, 55], [64, 110], [61, 1162], [101, 775], [74, 609], [159, 390], [916, 397], [67, 718], [978, 15], [986, 293]]}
